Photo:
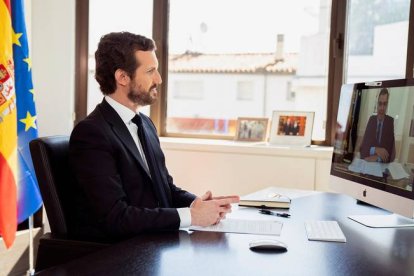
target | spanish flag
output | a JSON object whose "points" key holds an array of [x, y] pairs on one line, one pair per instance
{"points": [[19, 192]]}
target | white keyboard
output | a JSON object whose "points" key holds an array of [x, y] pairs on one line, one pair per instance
{"points": [[324, 231]]}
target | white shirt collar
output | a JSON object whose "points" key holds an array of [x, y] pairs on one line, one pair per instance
{"points": [[124, 112]]}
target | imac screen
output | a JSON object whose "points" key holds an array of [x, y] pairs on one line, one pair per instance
{"points": [[374, 141]]}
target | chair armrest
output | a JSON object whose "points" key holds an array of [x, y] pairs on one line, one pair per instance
{"points": [[58, 249]]}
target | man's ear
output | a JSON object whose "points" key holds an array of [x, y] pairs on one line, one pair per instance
{"points": [[121, 77]]}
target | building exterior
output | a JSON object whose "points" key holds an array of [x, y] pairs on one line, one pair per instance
{"points": [[227, 86]]}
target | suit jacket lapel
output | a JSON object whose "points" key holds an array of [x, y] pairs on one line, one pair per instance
{"points": [[121, 131]]}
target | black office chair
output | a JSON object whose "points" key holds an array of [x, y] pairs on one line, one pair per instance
{"points": [[50, 157]]}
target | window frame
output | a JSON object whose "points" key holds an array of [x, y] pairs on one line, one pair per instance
{"points": [[160, 35]]}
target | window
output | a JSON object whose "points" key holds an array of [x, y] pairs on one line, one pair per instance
{"points": [[290, 93], [248, 65], [376, 44], [245, 91]]}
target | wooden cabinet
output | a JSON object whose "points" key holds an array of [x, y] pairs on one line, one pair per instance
{"points": [[228, 167]]}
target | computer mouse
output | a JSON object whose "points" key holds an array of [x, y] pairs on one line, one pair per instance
{"points": [[267, 245]]}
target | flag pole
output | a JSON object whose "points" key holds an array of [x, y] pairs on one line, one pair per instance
{"points": [[31, 270]]}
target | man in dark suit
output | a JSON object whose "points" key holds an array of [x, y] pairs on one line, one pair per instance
{"points": [[123, 184], [378, 144], [287, 128]]}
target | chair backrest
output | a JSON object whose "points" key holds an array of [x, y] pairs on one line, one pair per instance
{"points": [[50, 157]]}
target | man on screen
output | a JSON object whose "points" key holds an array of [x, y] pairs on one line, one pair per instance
{"points": [[378, 144]]}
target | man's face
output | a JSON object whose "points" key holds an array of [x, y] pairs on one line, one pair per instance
{"points": [[382, 106], [143, 87]]}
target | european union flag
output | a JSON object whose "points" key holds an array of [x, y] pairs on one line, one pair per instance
{"points": [[28, 196]]}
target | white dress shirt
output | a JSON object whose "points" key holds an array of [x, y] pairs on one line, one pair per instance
{"points": [[126, 115]]}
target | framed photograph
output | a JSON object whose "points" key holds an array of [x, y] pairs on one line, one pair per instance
{"points": [[291, 128], [251, 129]]}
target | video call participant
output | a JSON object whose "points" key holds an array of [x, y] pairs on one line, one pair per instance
{"points": [[124, 185], [378, 144]]}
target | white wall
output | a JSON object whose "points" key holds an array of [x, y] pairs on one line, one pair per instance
{"points": [[276, 94], [388, 58], [53, 62], [219, 98], [220, 92], [409, 141]]}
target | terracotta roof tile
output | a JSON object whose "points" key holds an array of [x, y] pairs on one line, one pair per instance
{"points": [[232, 63]]}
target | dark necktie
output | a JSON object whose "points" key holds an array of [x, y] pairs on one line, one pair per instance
{"points": [[379, 128], [153, 166]]}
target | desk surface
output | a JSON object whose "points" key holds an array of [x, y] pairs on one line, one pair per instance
{"points": [[368, 251]]}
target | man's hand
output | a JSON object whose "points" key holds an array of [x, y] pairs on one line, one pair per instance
{"points": [[382, 153], [209, 210], [379, 152], [372, 158], [209, 196]]}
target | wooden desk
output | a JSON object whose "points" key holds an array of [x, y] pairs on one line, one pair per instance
{"points": [[367, 251]]}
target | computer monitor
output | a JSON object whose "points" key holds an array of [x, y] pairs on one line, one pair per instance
{"points": [[373, 158]]}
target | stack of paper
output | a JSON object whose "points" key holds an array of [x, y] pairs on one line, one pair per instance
{"points": [[397, 171], [258, 227], [362, 166], [375, 168]]}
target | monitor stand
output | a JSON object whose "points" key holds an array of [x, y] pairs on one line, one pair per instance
{"points": [[383, 221]]}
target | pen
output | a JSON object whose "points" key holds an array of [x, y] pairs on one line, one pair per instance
{"points": [[267, 212]]}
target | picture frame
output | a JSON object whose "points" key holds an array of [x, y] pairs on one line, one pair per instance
{"points": [[251, 129], [291, 128]]}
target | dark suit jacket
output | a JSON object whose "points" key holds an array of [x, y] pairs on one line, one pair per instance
{"points": [[387, 137], [116, 196]]}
